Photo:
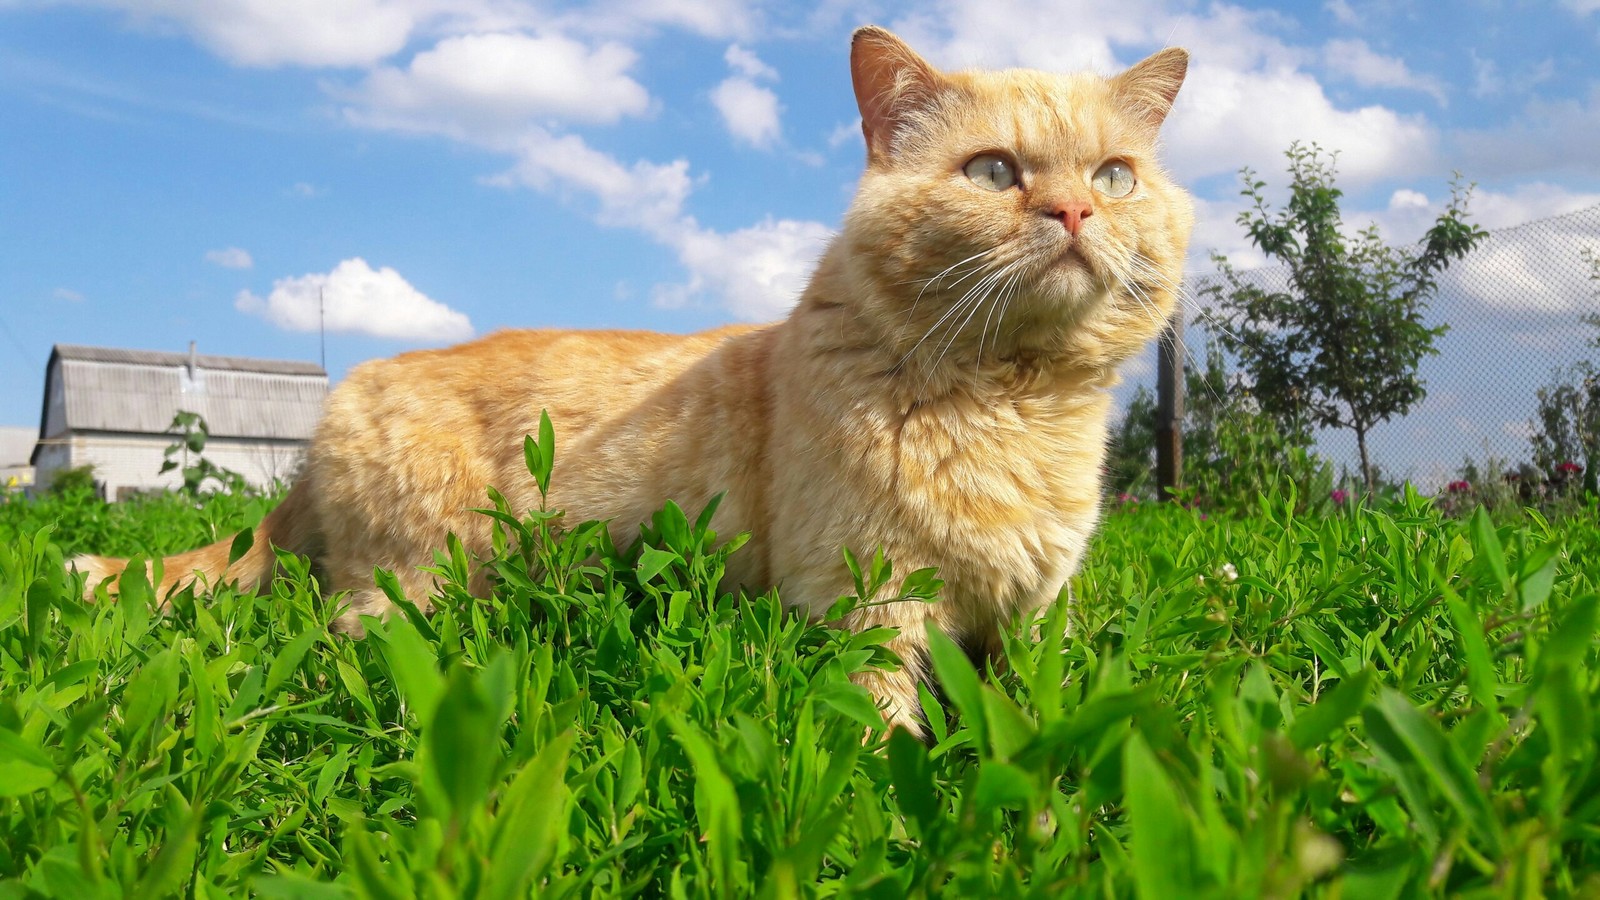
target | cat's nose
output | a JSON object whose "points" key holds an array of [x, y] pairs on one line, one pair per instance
{"points": [[1071, 214]]}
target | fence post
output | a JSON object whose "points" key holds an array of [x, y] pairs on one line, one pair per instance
{"points": [[1169, 410]]}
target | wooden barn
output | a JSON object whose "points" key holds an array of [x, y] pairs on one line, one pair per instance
{"points": [[111, 408]]}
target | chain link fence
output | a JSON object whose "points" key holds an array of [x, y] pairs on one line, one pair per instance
{"points": [[1515, 307]]}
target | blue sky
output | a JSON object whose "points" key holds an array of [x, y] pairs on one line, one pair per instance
{"points": [[176, 170]]}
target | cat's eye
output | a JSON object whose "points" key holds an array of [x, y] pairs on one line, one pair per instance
{"points": [[991, 172], [1114, 179]]}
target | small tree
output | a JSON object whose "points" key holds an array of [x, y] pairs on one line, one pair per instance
{"points": [[1567, 427], [1132, 453], [186, 454], [1340, 348], [1567, 422], [1232, 451]]}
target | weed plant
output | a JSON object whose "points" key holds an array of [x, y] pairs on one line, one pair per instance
{"points": [[1366, 704]]}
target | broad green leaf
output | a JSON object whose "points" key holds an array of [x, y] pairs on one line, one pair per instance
{"points": [[716, 806], [1486, 544], [547, 450], [463, 741], [1159, 832], [1313, 726], [18, 778], [370, 871], [174, 861], [1481, 679], [1009, 729], [1411, 736], [288, 659], [1571, 640], [1533, 589], [242, 542], [1002, 785], [529, 821], [852, 701], [652, 562], [958, 680], [412, 662], [911, 773]]}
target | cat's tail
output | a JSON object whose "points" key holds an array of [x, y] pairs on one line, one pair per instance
{"points": [[291, 527]]}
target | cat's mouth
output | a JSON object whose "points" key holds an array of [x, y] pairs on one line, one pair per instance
{"points": [[1072, 255], [1072, 276], [1074, 262]]}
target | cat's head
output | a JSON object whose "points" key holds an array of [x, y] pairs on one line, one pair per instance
{"points": [[1016, 211]]}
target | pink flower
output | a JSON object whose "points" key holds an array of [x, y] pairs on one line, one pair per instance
{"points": [[1127, 498], [1569, 468], [1339, 496], [1459, 487]]}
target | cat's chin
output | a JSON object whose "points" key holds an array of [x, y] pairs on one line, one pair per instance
{"points": [[1070, 285]]}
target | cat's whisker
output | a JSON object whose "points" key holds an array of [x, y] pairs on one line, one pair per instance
{"points": [[954, 310], [981, 293], [928, 281], [931, 281], [1181, 292], [1007, 291], [1138, 292], [1179, 289]]}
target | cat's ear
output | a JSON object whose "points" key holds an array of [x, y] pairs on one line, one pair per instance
{"points": [[892, 84], [1149, 88]]}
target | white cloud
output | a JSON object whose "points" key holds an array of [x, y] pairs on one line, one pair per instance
{"points": [[487, 87], [1342, 12], [1405, 198], [515, 93], [1581, 7], [757, 272], [356, 298], [647, 196], [1358, 62], [707, 18], [748, 64], [1526, 203], [1489, 81], [306, 190], [1535, 268], [750, 112], [1549, 136], [1218, 126], [67, 295], [286, 32], [230, 258], [1247, 97]]}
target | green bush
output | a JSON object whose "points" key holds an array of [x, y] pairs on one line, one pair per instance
{"points": [[1375, 703], [1233, 453], [76, 480]]}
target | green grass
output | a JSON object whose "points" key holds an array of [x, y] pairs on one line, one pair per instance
{"points": [[1368, 704]]}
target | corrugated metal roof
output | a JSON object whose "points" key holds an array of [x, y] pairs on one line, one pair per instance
{"points": [[106, 389], [206, 361]]}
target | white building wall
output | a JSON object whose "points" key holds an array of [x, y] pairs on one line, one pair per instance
{"points": [[52, 459], [124, 463]]}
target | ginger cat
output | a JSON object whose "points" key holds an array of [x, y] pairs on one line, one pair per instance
{"points": [[939, 390]]}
